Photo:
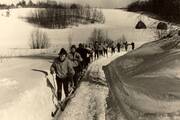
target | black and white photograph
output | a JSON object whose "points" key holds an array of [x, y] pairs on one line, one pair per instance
{"points": [[89, 59]]}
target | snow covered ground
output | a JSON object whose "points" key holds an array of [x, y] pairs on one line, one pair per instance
{"points": [[145, 82], [23, 93], [15, 32], [29, 98], [89, 102]]}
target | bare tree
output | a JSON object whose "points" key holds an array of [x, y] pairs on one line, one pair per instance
{"points": [[62, 17], [38, 40], [100, 36]]}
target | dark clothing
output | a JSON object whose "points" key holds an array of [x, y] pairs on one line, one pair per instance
{"points": [[65, 82], [62, 51], [105, 49], [112, 50], [101, 49], [96, 54], [82, 51], [101, 52], [84, 54], [126, 45], [96, 51], [77, 60], [133, 46], [64, 72], [118, 46], [76, 76]]}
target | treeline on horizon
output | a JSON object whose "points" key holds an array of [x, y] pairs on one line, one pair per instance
{"points": [[62, 15], [168, 10], [40, 4]]}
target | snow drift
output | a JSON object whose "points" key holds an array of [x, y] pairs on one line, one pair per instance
{"points": [[146, 81]]}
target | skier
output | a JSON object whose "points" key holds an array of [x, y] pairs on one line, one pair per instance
{"points": [[100, 49], [118, 46], [105, 49], [64, 71], [76, 59], [133, 45], [126, 45], [83, 51], [91, 52], [96, 50], [113, 47], [88, 55]]}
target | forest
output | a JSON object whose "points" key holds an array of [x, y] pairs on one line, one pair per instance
{"points": [[168, 10]]}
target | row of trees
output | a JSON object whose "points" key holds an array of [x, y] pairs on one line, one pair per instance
{"points": [[166, 9], [40, 4], [100, 36], [19, 4], [40, 40], [62, 17]]}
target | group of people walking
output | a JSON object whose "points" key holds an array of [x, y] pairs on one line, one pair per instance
{"points": [[102, 48], [70, 67]]}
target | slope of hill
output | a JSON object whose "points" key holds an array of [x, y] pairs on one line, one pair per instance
{"points": [[146, 81]]}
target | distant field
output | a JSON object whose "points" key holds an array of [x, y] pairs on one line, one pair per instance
{"points": [[15, 32]]}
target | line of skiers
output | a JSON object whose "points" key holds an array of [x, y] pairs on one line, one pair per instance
{"points": [[70, 67], [101, 49]]}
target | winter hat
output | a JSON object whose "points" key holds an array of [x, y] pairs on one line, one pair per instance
{"points": [[73, 46], [62, 52]]}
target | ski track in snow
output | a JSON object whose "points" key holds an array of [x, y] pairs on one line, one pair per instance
{"points": [[89, 102]]}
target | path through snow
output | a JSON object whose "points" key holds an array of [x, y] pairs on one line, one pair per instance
{"points": [[89, 102]]}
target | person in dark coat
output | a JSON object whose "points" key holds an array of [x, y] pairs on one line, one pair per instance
{"points": [[96, 50], [76, 59], [64, 71], [84, 54], [100, 50], [118, 46], [92, 52], [133, 45], [105, 49], [126, 45], [113, 48]]}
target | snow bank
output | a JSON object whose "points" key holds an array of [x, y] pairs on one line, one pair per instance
{"points": [[34, 104], [140, 85]]}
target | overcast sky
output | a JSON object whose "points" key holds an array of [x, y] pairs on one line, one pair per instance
{"points": [[96, 3]]}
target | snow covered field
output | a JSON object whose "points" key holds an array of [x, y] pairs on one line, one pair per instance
{"points": [[15, 32]]}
